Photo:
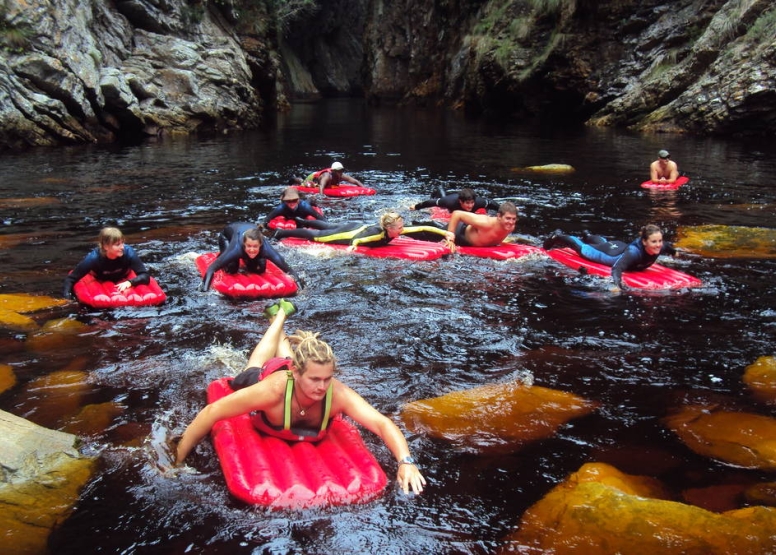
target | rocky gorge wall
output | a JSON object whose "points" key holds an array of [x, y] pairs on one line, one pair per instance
{"points": [[102, 71]]}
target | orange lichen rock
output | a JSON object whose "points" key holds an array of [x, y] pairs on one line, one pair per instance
{"points": [[7, 378], [722, 241], [55, 397], [739, 438], [56, 334], [94, 419], [760, 377], [43, 476], [496, 416], [601, 510], [13, 308], [24, 303], [14, 321]]}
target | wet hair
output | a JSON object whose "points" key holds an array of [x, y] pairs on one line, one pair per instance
{"points": [[308, 347], [390, 219], [254, 234], [507, 208], [295, 181], [109, 236], [466, 195], [648, 230]]}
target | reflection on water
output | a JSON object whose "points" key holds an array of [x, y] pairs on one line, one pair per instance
{"points": [[402, 331]]}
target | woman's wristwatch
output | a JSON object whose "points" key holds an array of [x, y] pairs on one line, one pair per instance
{"points": [[407, 460]]}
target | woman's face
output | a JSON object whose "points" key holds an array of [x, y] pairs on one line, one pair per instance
{"points": [[653, 243], [315, 380], [393, 231], [252, 247], [114, 251]]}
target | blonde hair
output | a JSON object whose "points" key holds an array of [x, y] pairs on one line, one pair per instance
{"points": [[390, 219], [109, 236], [307, 347]]}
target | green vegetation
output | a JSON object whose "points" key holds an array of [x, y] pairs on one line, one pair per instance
{"points": [[764, 27], [13, 38]]}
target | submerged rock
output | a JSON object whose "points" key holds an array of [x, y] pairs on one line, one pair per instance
{"points": [[548, 168], [15, 307], [739, 438], [602, 510], [497, 416], [7, 378], [760, 377]]}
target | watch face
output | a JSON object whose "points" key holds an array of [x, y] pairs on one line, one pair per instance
{"points": [[408, 460]]}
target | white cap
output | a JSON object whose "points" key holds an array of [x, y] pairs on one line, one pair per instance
{"points": [[337, 166]]}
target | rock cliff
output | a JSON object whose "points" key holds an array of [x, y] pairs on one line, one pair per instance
{"points": [[123, 70]]}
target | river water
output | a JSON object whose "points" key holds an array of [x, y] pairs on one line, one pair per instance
{"points": [[402, 330]]}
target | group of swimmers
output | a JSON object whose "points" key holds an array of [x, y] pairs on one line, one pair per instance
{"points": [[288, 383]]}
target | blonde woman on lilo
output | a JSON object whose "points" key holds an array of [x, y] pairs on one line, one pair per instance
{"points": [[305, 364]]}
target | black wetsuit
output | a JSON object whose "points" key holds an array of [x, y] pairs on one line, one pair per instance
{"points": [[451, 203], [356, 234], [302, 210], [230, 244], [105, 269]]}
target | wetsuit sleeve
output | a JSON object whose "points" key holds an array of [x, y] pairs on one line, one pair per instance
{"points": [[669, 249], [277, 211], [306, 210], [629, 259], [231, 254], [142, 277], [371, 237], [86, 265], [426, 204]]}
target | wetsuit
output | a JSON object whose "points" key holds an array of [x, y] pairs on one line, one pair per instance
{"points": [[303, 210], [254, 375], [450, 202], [230, 243], [357, 234], [105, 269], [621, 256]]}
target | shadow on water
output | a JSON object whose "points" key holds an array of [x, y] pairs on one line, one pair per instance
{"points": [[402, 330]]}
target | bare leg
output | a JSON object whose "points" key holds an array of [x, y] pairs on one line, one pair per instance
{"points": [[273, 343]]}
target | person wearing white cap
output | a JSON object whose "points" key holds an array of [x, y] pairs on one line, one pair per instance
{"points": [[663, 170], [330, 177]]}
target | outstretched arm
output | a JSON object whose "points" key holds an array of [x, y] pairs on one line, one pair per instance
{"points": [[351, 180], [408, 475], [254, 397]]}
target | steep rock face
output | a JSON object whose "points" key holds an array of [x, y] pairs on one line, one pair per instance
{"points": [[92, 72], [323, 50], [132, 68], [690, 65]]}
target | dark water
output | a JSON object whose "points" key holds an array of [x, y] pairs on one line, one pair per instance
{"points": [[403, 331]]}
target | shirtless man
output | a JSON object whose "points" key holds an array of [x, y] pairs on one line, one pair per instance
{"points": [[663, 170], [480, 230]]}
